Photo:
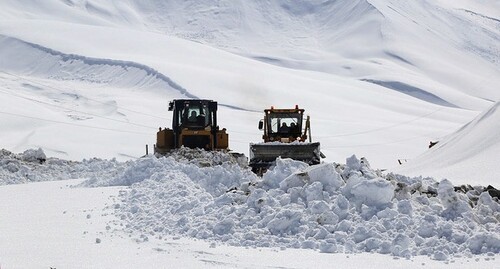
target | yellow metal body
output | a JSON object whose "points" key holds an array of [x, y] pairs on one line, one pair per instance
{"points": [[165, 139]]}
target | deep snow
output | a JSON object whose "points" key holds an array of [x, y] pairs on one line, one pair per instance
{"points": [[60, 225], [86, 65], [86, 79], [478, 140], [332, 208]]}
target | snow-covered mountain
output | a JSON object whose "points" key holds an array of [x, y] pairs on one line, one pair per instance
{"points": [[379, 79]]}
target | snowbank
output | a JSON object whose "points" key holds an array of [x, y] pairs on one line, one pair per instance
{"points": [[469, 151], [328, 207], [32, 166], [349, 208]]}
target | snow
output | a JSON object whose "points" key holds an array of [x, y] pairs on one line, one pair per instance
{"points": [[330, 208], [32, 240], [84, 85], [467, 156], [117, 59]]}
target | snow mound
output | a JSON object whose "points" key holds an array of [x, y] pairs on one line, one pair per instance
{"points": [[32, 166], [216, 172], [329, 207]]}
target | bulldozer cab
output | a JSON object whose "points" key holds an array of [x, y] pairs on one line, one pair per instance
{"points": [[194, 114], [282, 123]]}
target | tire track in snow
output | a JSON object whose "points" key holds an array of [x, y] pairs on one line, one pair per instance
{"points": [[480, 15]]}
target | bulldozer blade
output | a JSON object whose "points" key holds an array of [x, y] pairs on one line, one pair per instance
{"points": [[268, 152]]}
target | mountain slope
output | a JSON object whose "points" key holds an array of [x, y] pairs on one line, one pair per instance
{"points": [[419, 43], [379, 80], [470, 152]]}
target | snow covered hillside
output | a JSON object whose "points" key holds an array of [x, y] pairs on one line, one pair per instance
{"points": [[380, 79], [463, 155]]}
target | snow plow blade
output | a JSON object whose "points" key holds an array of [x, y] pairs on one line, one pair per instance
{"points": [[263, 155]]}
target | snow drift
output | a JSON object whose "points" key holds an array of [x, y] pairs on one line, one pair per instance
{"points": [[471, 150], [78, 69], [137, 55], [347, 208], [329, 207]]}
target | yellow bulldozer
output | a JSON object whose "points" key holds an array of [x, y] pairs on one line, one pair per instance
{"points": [[285, 135], [194, 125]]}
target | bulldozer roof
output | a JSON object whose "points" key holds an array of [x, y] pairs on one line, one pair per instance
{"points": [[181, 102], [284, 110]]}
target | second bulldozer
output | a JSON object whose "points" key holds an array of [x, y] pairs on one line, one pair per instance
{"points": [[284, 136]]}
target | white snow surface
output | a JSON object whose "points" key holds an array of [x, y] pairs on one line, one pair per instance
{"points": [[471, 150], [90, 80], [328, 207], [99, 74], [331, 208]]}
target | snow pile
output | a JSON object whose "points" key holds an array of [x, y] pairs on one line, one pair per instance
{"points": [[215, 171], [328, 207], [33, 155], [32, 165]]}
